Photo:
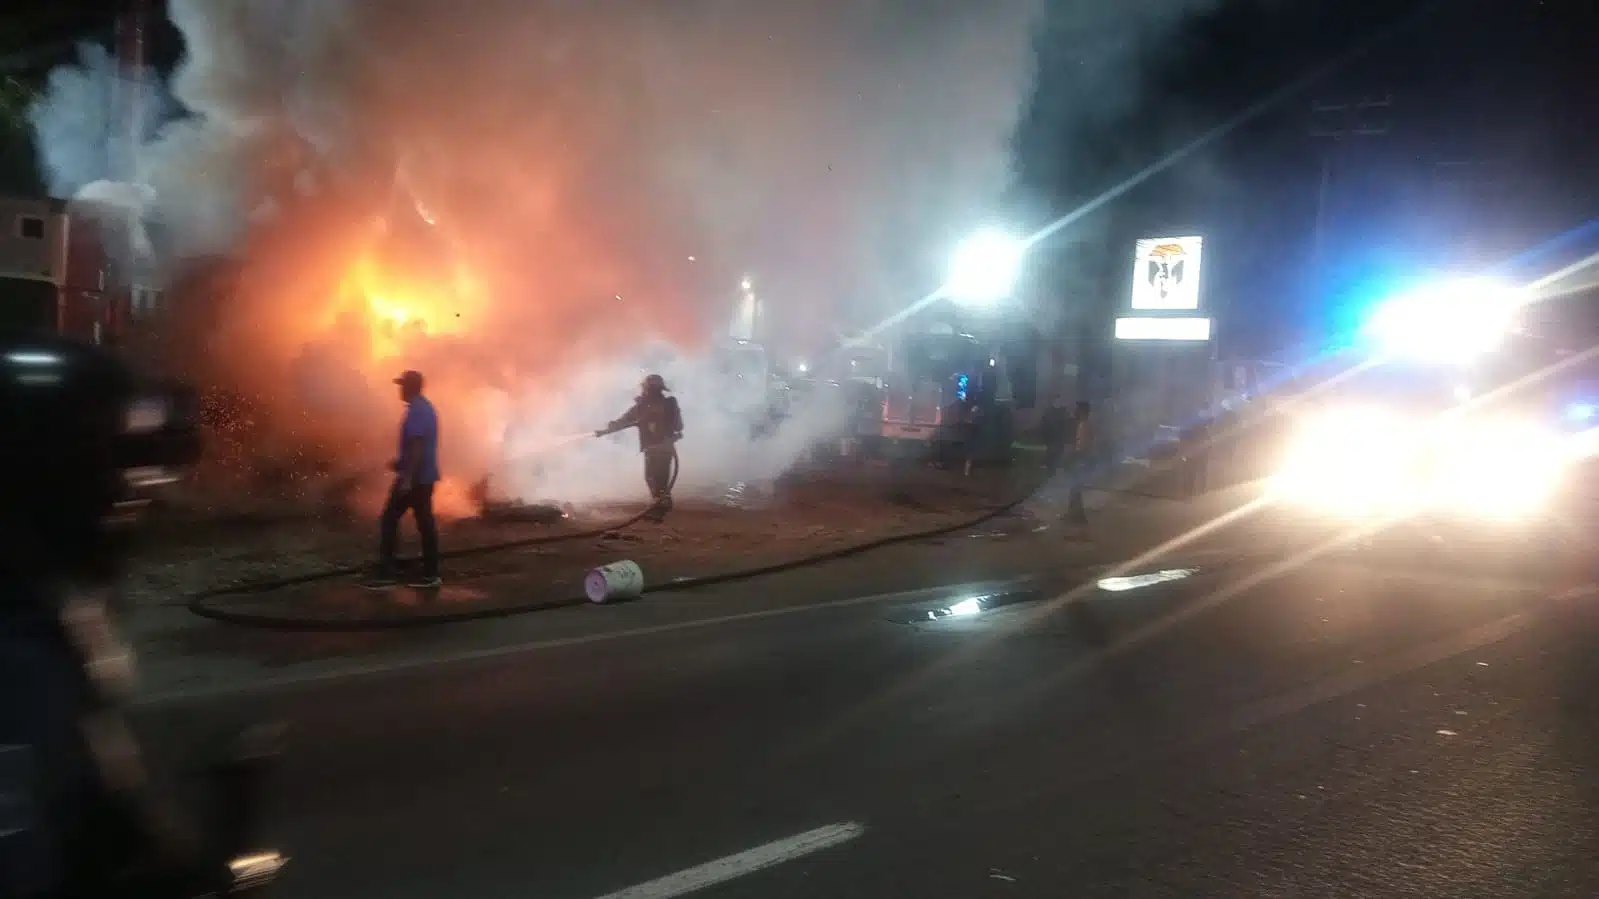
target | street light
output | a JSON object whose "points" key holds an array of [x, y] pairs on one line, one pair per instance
{"points": [[985, 268]]}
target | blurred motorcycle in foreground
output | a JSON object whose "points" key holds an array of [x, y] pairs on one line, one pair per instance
{"points": [[84, 446]]}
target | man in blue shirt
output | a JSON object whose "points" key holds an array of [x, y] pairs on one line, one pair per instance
{"points": [[416, 472]]}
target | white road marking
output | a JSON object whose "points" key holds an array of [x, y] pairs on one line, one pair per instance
{"points": [[746, 862], [345, 672]]}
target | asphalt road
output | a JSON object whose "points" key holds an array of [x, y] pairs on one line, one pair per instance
{"points": [[1382, 727]]}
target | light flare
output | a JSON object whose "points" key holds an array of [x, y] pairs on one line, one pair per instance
{"points": [[1367, 463]]}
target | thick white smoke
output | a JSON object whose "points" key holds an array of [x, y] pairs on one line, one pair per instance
{"points": [[574, 156]]}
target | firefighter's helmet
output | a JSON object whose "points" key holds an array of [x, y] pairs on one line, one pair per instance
{"points": [[653, 384]]}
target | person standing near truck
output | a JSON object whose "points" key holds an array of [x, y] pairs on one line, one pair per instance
{"points": [[1055, 428], [1082, 459], [971, 433]]}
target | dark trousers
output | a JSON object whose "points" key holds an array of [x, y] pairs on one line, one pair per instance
{"points": [[658, 473], [1196, 467], [418, 500], [1053, 453], [1075, 511]]}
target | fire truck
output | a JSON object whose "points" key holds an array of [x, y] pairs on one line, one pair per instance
{"points": [[56, 275], [844, 395], [946, 396], [751, 384], [1460, 415]]}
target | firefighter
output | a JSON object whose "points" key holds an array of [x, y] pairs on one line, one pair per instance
{"points": [[660, 426]]}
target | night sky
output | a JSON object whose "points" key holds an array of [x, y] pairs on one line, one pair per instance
{"points": [[1487, 150]]}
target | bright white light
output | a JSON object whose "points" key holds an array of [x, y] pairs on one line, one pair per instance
{"points": [[1583, 445], [803, 368], [1462, 393], [1351, 461], [985, 268], [1500, 469], [966, 607], [24, 358], [1355, 463], [1456, 321], [1137, 581], [746, 283], [1350, 491], [1196, 330]]}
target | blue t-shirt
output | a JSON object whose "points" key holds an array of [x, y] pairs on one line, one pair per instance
{"points": [[421, 421]]}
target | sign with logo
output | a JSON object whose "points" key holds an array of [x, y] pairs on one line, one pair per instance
{"points": [[1166, 273]]}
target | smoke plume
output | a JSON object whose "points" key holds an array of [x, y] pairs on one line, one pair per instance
{"points": [[543, 190]]}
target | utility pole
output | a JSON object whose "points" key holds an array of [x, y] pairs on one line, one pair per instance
{"points": [[1336, 123], [127, 115], [129, 99]]}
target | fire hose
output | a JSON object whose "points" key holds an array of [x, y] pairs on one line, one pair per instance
{"points": [[672, 481], [198, 603], [201, 604]]}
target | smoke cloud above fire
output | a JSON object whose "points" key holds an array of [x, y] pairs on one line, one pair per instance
{"points": [[529, 200]]}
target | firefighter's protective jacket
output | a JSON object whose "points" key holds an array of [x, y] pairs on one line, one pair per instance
{"points": [[658, 419]]}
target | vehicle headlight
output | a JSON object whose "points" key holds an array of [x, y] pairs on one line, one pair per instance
{"points": [[1353, 460], [1500, 468], [1363, 462], [1583, 445]]}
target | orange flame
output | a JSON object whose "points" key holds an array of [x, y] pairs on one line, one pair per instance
{"points": [[324, 310], [394, 308]]}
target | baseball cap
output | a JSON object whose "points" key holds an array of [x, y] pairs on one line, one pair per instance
{"points": [[410, 378]]}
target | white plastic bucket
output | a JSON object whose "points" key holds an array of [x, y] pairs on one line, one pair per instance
{"points": [[618, 580]]}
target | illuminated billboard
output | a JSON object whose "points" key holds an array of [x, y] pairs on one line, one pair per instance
{"points": [[1166, 273], [1151, 328]]}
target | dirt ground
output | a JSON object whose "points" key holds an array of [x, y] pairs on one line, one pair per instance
{"points": [[745, 527]]}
